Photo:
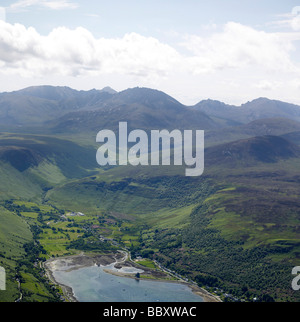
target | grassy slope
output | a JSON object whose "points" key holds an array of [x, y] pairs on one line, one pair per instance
{"points": [[57, 160], [150, 194], [252, 206], [14, 232], [51, 161], [14, 184]]}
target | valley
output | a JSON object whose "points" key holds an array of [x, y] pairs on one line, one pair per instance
{"points": [[234, 230]]}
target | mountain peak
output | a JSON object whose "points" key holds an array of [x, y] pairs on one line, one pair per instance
{"points": [[258, 101], [109, 90], [48, 92], [148, 97]]}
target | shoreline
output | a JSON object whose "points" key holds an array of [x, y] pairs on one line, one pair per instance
{"points": [[205, 295], [82, 260], [67, 290]]}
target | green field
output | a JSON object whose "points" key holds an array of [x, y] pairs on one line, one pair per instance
{"points": [[147, 263]]}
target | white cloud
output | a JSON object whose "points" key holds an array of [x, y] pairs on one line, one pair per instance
{"points": [[55, 4], [239, 46], [237, 61], [289, 20], [295, 23], [24, 3], [78, 52], [267, 85], [295, 83]]}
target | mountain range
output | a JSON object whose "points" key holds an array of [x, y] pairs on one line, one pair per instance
{"points": [[62, 109], [236, 226]]}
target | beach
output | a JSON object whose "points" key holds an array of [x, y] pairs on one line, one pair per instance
{"points": [[76, 262], [115, 264]]}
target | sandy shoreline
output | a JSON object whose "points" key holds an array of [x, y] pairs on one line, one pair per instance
{"points": [[83, 260], [67, 291], [69, 263]]}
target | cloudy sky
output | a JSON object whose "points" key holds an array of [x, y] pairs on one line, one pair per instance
{"points": [[229, 50]]}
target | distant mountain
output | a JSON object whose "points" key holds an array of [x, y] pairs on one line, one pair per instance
{"points": [[247, 152], [52, 93], [270, 126], [62, 109], [148, 97], [36, 105], [227, 114], [62, 93], [257, 109], [109, 90], [142, 108], [266, 108]]}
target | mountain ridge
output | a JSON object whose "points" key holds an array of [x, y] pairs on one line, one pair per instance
{"points": [[39, 105], [259, 108]]}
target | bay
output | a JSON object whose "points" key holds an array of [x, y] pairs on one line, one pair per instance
{"points": [[93, 284]]}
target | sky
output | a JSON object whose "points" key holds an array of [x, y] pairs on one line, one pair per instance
{"points": [[227, 50]]}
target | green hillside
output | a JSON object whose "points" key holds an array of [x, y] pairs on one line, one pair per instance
{"points": [[29, 166], [14, 233], [234, 230], [246, 208]]}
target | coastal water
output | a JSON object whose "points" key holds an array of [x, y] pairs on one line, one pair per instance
{"points": [[92, 284]]}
